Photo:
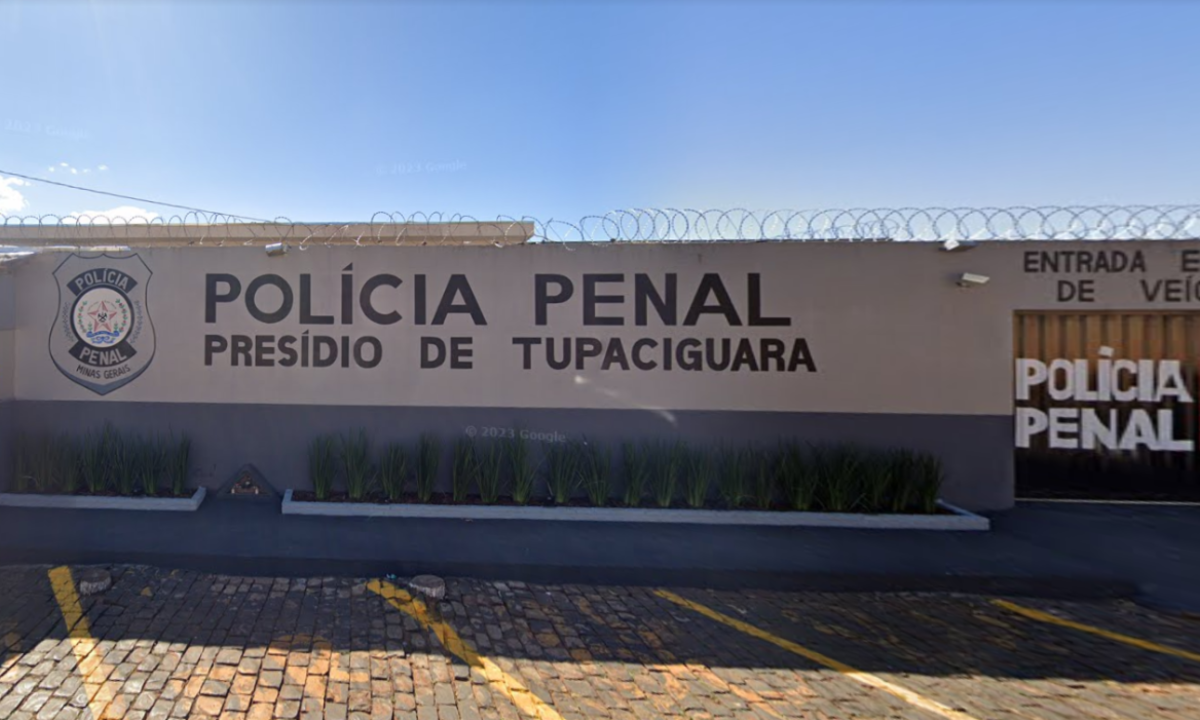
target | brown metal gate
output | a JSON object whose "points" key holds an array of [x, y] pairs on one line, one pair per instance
{"points": [[1160, 468]]}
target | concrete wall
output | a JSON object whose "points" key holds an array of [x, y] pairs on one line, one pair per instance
{"points": [[895, 353], [869, 314]]}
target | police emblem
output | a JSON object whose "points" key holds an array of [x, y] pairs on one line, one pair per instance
{"points": [[102, 337]]}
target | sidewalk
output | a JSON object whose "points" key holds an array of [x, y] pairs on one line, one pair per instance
{"points": [[1035, 550], [1155, 546]]}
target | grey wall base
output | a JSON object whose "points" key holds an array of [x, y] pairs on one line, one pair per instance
{"points": [[976, 449], [8, 436]]}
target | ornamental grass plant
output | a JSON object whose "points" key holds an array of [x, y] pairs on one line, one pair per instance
{"points": [[835, 478], [930, 476], [322, 465], [734, 469], [562, 470], [595, 472], [45, 464], [905, 473], [839, 471], [669, 460], [799, 475], [878, 477], [122, 461], [489, 461], [178, 463], [637, 463], [698, 480], [393, 470], [150, 463], [92, 459], [764, 471], [465, 468], [429, 454], [522, 471], [356, 464]]}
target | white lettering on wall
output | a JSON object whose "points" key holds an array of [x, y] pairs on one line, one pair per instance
{"points": [[1075, 426]]}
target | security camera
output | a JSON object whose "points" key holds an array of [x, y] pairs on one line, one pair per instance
{"points": [[277, 249], [968, 280]]}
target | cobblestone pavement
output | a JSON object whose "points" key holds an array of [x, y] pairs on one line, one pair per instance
{"points": [[163, 644]]}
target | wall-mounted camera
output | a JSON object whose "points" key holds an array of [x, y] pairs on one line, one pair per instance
{"points": [[969, 280]]}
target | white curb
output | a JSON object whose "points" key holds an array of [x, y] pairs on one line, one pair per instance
{"points": [[958, 519], [89, 502]]}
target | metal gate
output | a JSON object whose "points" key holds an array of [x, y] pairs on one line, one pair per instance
{"points": [[1105, 404]]}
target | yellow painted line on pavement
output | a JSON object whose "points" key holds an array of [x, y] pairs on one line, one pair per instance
{"points": [[865, 678], [1092, 629], [68, 603], [527, 702], [83, 645]]}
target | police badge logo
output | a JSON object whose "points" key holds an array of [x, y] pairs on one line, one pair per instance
{"points": [[102, 337]]}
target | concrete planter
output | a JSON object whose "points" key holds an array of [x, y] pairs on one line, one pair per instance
{"points": [[87, 502], [955, 519]]}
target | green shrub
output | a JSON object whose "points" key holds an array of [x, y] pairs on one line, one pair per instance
{"points": [[595, 470], [429, 455], [322, 467], [490, 468], [701, 470], [465, 468], [636, 459], [521, 468], [734, 470], [393, 470], [669, 461], [356, 463], [562, 470]]}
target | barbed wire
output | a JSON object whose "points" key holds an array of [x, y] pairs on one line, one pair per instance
{"points": [[1136, 222]]}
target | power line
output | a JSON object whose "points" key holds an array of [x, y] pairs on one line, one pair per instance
{"points": [[129, 197]]}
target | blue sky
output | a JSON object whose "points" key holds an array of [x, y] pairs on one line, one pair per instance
{"points": [[331, 111]]}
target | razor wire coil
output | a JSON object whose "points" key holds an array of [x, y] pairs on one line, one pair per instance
{"points": [[910, 224]]}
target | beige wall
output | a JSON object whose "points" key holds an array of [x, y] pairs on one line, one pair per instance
{"points": [[887, 327]]}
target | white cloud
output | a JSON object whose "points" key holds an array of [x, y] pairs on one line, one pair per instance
{"points": [[68, 167], [11, 199], [124, 213]]}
